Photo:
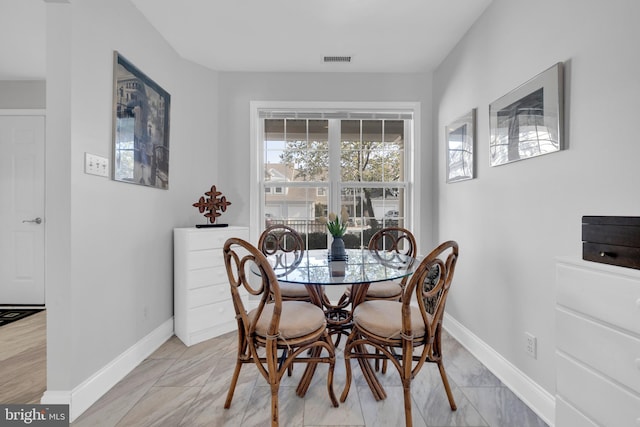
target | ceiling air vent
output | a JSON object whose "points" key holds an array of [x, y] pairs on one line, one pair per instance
{"points": [[336, 59]]}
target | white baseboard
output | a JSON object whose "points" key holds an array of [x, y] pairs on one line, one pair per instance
{"points": [[531, 393], [93, 388]]}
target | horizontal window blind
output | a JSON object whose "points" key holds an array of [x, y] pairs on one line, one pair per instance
{"points": [[353, 115]]}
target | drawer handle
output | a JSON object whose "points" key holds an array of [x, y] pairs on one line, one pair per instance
{"points": [[607, 254]]}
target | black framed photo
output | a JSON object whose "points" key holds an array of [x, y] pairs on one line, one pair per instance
{"points": [[528, 121], [140, 127], [461, 136]]}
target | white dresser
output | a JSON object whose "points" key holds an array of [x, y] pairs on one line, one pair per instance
{"points": [[597, 345], [202, 303]]}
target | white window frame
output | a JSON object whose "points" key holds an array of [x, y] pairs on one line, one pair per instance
{"points": [[412, 146]]}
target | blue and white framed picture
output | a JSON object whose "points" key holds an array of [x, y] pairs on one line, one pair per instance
{"points": [[460, 136], [528, 121], [140, 127]]}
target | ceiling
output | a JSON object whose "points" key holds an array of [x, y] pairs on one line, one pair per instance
{"points": [[275, 35]]}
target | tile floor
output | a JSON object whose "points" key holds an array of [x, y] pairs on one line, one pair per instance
{"points": [[187, 386]]}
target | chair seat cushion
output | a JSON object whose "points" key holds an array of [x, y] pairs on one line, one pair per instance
{"points": [[293, 290], [298, 318], [386, 289], [384, 318]]}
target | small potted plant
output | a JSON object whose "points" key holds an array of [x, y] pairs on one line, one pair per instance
{"points": [[337, 226]]}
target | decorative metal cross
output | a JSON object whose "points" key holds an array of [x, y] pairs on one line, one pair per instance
{"points": [[213, 203]]}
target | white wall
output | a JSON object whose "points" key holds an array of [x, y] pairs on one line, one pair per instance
{"points": [[238, 89], [109, 244], [22, 94], [514, 219]]}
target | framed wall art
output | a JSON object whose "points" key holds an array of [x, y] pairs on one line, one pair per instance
{"points": [[140, 127], [460, 137], [528, 121]]}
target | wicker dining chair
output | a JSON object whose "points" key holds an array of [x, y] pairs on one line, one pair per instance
{"points": [[395, 239], [286, 247], [396, 329], [287, 331]]}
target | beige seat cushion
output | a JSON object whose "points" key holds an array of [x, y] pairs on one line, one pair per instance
{"points": [[384, 318], [298, 318], [293, 290], [386, 289]]}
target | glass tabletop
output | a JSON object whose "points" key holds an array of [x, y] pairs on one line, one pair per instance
{"points": [[362, 266]]}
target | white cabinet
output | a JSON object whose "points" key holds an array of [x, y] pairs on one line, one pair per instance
{"points": [[598, 344], [202, 306]]}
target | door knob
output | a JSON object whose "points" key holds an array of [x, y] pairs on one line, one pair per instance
{"points": [[37, 220]]}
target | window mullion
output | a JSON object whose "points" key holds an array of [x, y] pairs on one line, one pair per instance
{"points": [[334, 166]]}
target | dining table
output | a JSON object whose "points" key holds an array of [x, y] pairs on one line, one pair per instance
{"points": [[360, 268]]}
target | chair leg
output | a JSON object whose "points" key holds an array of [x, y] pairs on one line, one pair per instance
{"points": [[447, 388], [347, 362], [232, 387], [274, 404], [332, 394], [407, 403]]}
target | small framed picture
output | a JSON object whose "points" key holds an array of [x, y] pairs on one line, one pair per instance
{"points": [[140, 127], [461, 136], [528, 121]]}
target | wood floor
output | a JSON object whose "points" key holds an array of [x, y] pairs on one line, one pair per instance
{"points": [[23, 351]]}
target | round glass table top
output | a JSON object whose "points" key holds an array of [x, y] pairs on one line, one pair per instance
{"points": [[362, 266]]}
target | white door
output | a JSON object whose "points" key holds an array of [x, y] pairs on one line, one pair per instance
{"points": [[21, 210]]}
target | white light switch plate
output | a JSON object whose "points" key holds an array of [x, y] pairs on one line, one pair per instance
{"points": [[96, 165]]}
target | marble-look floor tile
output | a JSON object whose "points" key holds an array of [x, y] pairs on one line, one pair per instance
{"points": [[387, 412], [258, 411], [154, 394], [318, 409], [430, 399], [207, 410], [213, 347], [466, 370], [111, 407], [160, 406], [501, 408], [173, 348], [188, 373]]}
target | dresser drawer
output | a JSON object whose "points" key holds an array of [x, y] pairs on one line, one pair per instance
{"points": [[613, 298], [208, 295], [615, 354], [568, 416], [210, 315], [601, 400], [611, 240], [213, 238], [206, 277], [205, 258]]}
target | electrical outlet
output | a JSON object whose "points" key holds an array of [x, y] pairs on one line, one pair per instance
{"points": [[96, 165], [531, 344]]}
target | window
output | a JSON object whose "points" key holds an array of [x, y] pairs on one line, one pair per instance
{"points": [[314, 162]]}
